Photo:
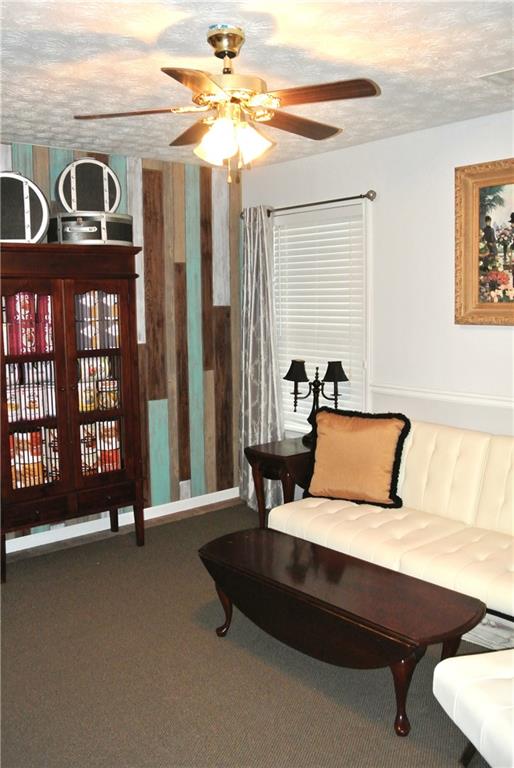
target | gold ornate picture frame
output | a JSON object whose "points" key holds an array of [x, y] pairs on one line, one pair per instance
{"points": [[484, 243]]}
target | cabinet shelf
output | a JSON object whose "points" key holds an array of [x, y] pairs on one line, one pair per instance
{"points": [[26, 425], [76, 462], [29, 357], [88, 417], [103, 352]]}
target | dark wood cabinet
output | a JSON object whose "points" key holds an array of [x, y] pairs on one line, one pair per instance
{"points": [[70, 443]]}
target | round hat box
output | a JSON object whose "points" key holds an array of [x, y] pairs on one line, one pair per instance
{"points": [[24, 213], [88, 185]]}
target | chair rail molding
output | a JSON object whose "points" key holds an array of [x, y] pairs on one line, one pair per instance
{"points": [[464, 398]]}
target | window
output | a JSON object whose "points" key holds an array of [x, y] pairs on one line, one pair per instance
{"points": [[320, 301]]}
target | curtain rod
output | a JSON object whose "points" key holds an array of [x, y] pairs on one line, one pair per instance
{"points": [[370, 194]]}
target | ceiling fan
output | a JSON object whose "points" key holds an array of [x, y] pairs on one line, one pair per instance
{"points": [[239, 103]]}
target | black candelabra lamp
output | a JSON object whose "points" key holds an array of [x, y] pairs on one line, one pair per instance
{"points": [[298, 374]]}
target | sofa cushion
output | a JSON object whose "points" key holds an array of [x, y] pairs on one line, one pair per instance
{"points": [[472, 560], [442, 471], [440, 550], [357, 456], [378, 535], [496, 502]]}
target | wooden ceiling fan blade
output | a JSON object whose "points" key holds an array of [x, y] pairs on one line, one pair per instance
{"points": [[191, 135], [125, 114], [341, 89], [310, 129], [194, 79]]}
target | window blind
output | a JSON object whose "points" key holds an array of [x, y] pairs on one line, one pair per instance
{"points": [[319, 273]]}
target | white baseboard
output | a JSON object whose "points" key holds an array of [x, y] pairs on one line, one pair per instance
{"points": [[60, 533]]}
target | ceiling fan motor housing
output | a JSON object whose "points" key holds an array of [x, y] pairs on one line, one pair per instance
{"points": [[226, 40]]}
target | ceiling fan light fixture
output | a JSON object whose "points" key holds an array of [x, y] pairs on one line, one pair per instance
{"points": [[252, 144], [219, 143]]}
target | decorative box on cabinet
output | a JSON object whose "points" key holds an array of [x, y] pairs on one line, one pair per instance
{"points": [[70, 442]]}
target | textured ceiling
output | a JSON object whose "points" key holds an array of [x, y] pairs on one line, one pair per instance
{"points": [[61, 58]]}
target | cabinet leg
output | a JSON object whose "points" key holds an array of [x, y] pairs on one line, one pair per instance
{"points": [[226, 602], [140, 524], [3, 558], [402, 674], [113, 514]]}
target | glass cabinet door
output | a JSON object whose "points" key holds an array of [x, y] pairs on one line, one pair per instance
{"points": [[33, 380], [100, 379]]}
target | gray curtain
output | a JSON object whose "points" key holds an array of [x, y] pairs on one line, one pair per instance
{"points": [[261, 405]]}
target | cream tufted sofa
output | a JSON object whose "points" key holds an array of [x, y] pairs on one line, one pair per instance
{"points": [[455, 527]]}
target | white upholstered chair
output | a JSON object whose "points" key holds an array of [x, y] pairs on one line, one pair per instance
{"points": [[477, 692]]}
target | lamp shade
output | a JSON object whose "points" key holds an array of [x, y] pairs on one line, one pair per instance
{"points": [[252, 143], [297, 371], [219, 143], [335, 372]]}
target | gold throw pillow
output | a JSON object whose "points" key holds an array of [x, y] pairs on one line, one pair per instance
{"points": [[357, 456]]}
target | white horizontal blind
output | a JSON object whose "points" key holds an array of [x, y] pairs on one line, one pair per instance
{"points": [[320, 301]]}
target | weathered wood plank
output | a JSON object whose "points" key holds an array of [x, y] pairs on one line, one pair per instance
{"points": [[235, 244], [41, 169], [143, 411], [182, 371], [118, 163], [206, 246], [135, 209], [179, 247], [100, 156], [5, 157], [22, 159], [210, 431], [159, 452], [59, 159], [170, 336], [154, 283], [220, 238], [223, 390], [194, 329]]}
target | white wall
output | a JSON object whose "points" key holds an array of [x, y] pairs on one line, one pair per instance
{"points": [[421, 362]]}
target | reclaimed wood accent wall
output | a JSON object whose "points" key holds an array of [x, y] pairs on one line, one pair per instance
{"points": [[186, 218]]}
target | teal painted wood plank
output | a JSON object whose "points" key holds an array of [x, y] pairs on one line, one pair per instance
{"points": [[58, 160], [40, 529], [118, 163], [159, 452], [194, 329], [22, 159]]}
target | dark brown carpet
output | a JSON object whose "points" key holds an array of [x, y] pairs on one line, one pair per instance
{"points": [[110, 660]]}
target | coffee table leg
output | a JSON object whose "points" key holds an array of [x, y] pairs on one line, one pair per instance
{"points": [[227, 607], [402, 674], [450, 647]]}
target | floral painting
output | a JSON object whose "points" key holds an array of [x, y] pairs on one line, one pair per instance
{"points": [[496, 243], [484, 243]]}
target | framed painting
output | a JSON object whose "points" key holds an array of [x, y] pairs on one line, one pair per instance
{"points": [[484, 243]]}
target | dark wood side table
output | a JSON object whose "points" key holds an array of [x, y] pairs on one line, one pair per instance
{"points": [[286, 460]]}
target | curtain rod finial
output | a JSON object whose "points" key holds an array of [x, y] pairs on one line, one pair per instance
{"points": [[370, 194]]}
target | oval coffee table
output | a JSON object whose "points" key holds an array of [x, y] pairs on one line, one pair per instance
{"points": [[337, 608]]}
